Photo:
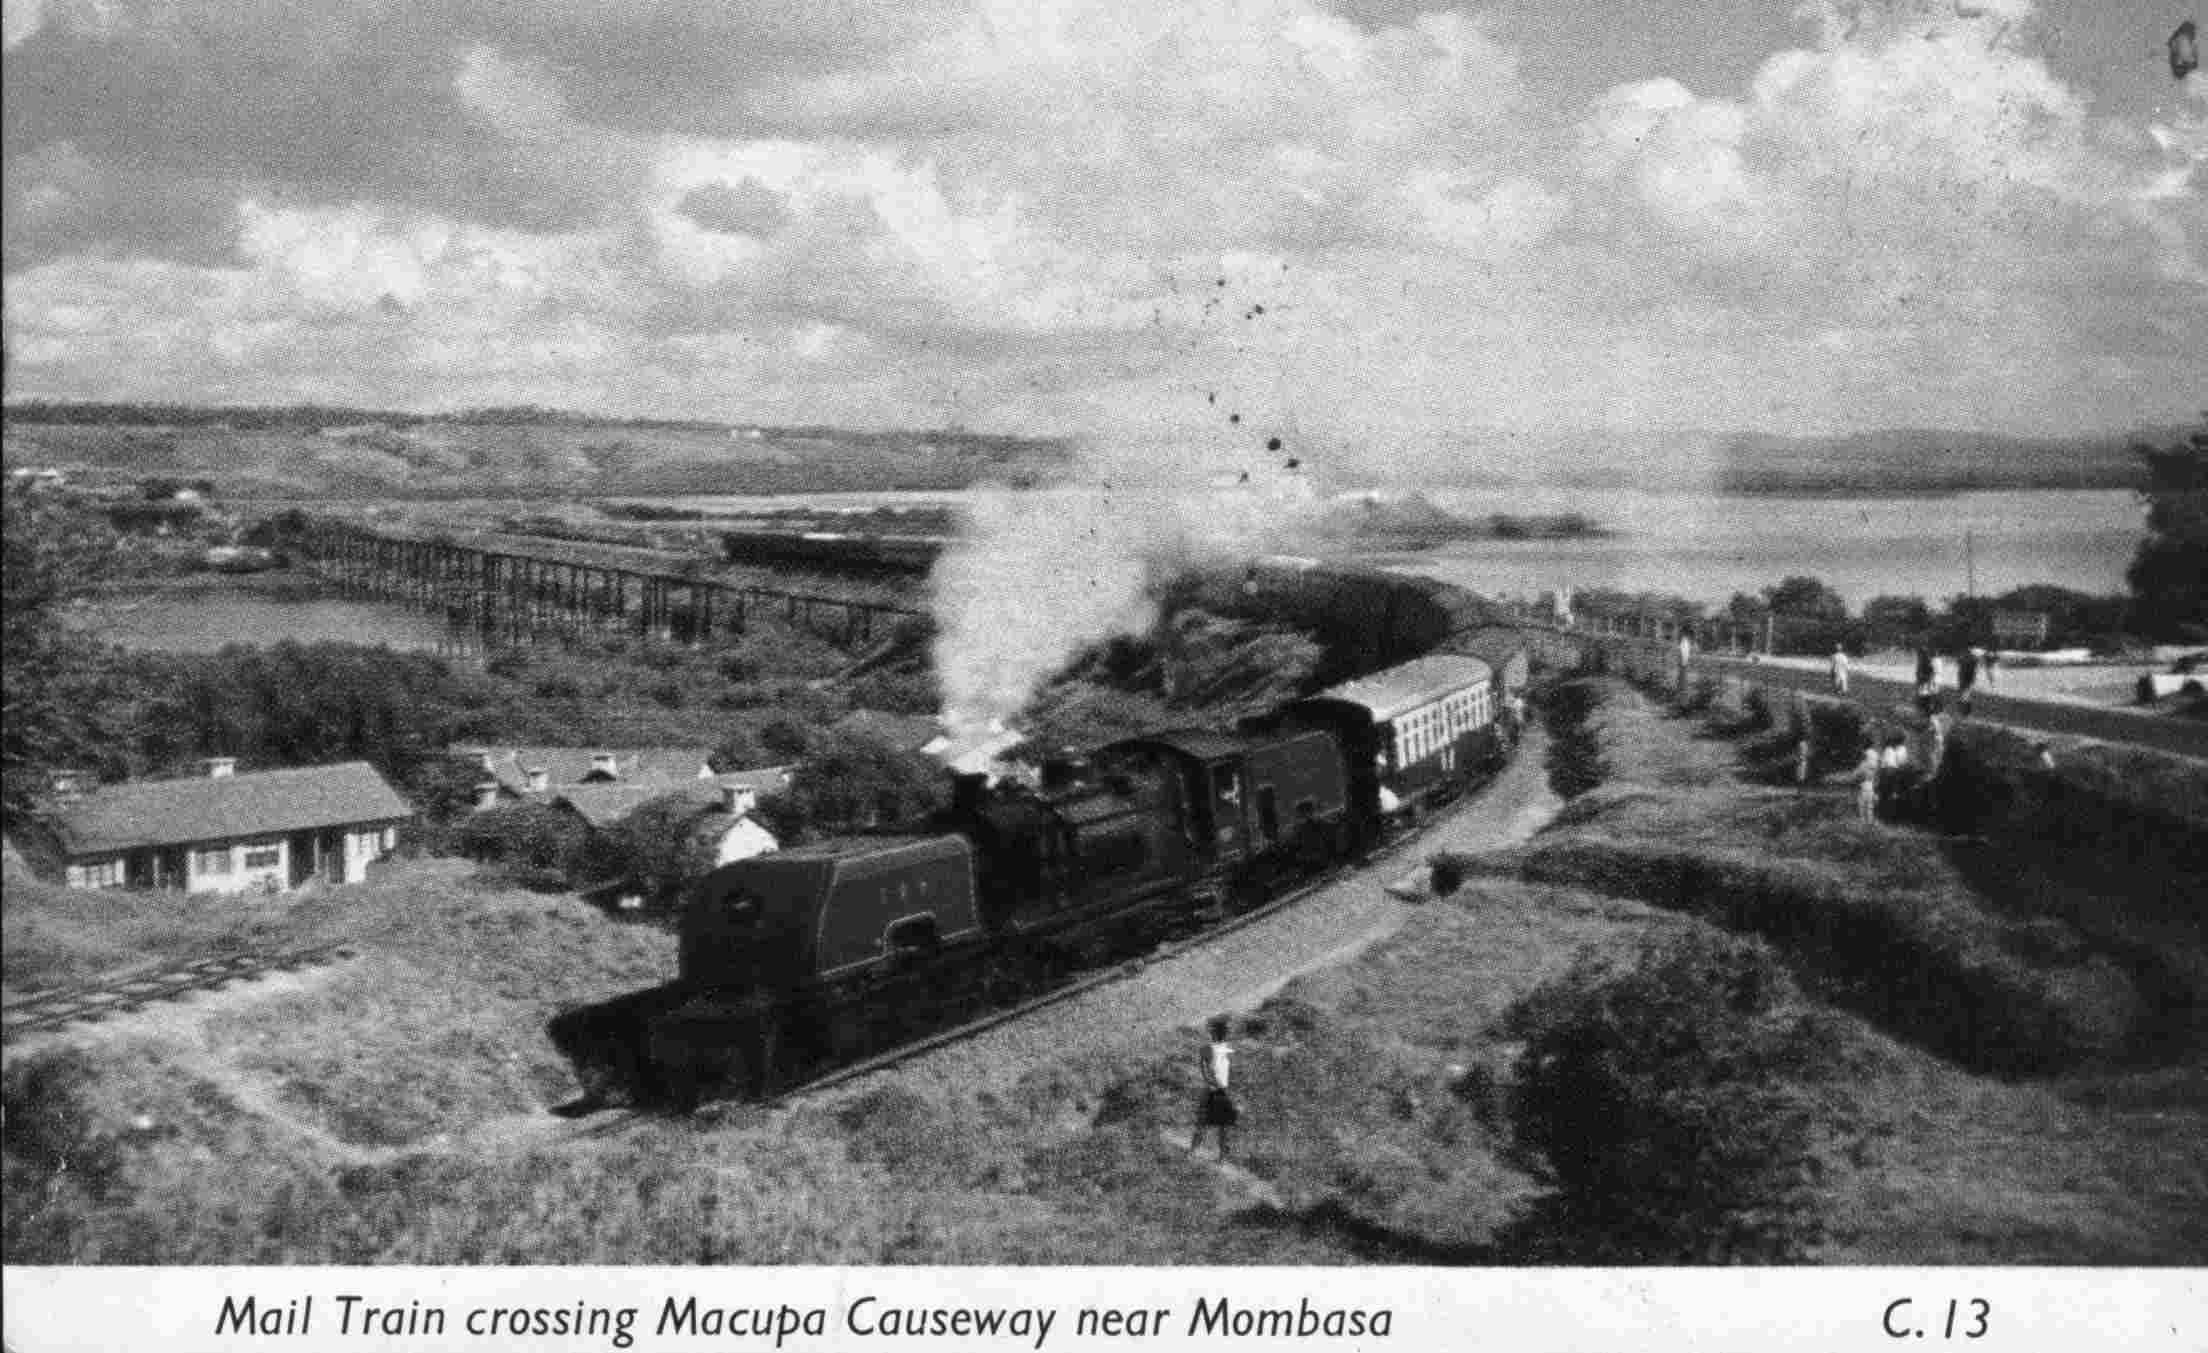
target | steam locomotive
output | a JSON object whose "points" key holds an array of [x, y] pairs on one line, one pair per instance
{"points": [[801, 960]]}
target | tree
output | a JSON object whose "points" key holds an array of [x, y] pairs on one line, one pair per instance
{"points": [[658, 848], [850, 783], [2169, 574], [1806, 598], [52, 552], [532, 844], [1894, 622]]}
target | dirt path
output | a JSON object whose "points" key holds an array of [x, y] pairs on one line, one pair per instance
{"points": [[1239, 971]]}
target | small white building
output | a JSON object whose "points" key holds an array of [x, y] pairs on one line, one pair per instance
{"points": [[268, 831]]}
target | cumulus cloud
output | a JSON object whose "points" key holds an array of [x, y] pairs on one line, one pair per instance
{"points": [[1188, 223]]}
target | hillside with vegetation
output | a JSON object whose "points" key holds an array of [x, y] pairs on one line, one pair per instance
{"points": [[349, 453]]}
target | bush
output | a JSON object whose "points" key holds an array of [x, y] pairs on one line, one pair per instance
{"points": [[1758, 708], [1576, 762], [533, 845], [1665, 1105], [1837, 733]]}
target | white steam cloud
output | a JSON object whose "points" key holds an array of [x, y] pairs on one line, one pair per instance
{"points": [[1038, 575]]}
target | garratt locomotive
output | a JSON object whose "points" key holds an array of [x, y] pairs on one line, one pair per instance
{"points": [[797, 961]]}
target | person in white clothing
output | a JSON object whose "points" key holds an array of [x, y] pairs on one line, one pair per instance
{"points": [[1866, 785], [1217, 1109], [1839, 670]]}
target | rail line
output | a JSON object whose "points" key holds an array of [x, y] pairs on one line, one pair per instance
{"points": [[94, 1001]]}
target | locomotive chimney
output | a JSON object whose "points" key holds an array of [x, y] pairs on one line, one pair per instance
{"points": [[968, 793]]}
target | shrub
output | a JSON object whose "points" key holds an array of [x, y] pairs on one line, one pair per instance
{"points": [[899, 692], [1836, 732], [534, 845], [1758, 708], [1665, 1106], [1576, 762]]}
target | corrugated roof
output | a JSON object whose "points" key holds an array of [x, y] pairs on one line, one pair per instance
{"points": [[1408, 686], [764, 780], [603, 805], [141, 813], [665, 766]]}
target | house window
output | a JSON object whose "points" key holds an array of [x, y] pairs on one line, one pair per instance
{"points": [[100, 874], [265, 857], [215, 861]]}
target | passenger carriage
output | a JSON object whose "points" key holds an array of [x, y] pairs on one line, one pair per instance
{"points": [[1414, 735]]}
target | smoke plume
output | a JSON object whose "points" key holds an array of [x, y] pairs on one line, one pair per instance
{"points": [[1037, 575]]}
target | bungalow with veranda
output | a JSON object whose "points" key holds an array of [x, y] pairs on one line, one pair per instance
{"points": [[224, 832]]}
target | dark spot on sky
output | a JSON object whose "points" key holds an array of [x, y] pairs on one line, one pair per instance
{"points": [[1272, 444], [1234, 418], [1294, 463], [1222, 281]]}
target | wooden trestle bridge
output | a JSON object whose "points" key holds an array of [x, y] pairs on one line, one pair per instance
{"points": [[515, 590]]}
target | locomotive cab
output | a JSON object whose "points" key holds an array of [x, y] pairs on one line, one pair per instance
{"points": [[1249, 805]]}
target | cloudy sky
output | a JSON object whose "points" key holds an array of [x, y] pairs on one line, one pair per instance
{"points": [[1342, 218]]}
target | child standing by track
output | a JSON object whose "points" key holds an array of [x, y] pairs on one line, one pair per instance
{"points": [[1217, 1108]]}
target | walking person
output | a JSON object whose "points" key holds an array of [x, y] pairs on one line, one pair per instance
{"points": [[1894, 775], [1839, 670], [1801, 763], [1866, 784], [1927, 678], [1966, 679], [1686, 658], [1217, 1108]]}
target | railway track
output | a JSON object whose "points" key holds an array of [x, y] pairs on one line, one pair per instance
{"points": [[94, 1001]]}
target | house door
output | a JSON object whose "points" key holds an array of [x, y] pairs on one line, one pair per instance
{"points": [[300, 854], [139, 869]]}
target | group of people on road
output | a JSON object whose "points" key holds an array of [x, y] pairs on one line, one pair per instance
{"points": [[1971, 663]]}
